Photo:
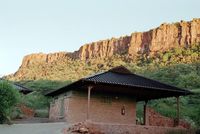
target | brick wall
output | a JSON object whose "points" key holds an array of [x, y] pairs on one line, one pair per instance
{"points": [[108, 111], [101, 109]]}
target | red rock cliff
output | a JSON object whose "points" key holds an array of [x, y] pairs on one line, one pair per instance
{"points": [[165, 37], [43, 58]]}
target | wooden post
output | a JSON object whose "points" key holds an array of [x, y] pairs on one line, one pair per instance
{"points": [[88, 106], [146, 115], [178, 110]]}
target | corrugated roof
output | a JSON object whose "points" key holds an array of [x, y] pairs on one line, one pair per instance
{"points": [[22, 89], [129, 80], [121, 76]]}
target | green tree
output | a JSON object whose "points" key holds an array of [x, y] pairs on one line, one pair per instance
{"points": [[191, 80], [8, 98]]}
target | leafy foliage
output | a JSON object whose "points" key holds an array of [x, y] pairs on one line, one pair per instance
{"points": [[8, 98], [181, 75]]}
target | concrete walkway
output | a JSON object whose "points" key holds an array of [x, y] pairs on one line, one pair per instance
{"points": [[35, 128]]}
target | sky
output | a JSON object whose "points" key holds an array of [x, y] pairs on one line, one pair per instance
{"points": [[33, 26]]}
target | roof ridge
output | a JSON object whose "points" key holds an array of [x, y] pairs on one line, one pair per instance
{"points": [[94, 75], [123, 70], [19, 85]]}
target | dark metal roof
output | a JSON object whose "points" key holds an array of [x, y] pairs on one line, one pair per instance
{"points": [[130, 80], [22, 89], [120, 79], [19, 87]]}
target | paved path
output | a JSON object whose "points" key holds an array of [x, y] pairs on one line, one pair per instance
{"points": [[35, 128]]}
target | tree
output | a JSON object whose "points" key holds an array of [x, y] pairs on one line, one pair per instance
{"points": [[8, 98], [191, 80]]}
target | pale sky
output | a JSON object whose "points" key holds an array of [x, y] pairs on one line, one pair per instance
{"points": [[33, 26]]}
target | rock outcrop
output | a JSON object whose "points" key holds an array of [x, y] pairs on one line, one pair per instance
{"points": [[163, 38], [43, 58], [105, 48]]}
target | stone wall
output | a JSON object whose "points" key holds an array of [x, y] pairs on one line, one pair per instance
{"points": [[56, 106], [54, 111]]}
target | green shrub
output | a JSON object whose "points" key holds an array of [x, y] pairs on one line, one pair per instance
{"points": [[191, 80], [8, 98]]}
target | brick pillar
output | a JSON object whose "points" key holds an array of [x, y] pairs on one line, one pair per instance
{"points": [[146, 114]]}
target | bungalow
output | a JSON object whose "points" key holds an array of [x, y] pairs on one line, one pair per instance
{"points": [[109, 97]]}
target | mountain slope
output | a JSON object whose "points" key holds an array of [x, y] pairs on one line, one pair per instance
{"points": [[151, 46]]}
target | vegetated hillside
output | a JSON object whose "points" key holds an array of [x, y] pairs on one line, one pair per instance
{"points": [[102, 55]]}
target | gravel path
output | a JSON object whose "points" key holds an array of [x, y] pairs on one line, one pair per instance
{"points": [[35, 128]]}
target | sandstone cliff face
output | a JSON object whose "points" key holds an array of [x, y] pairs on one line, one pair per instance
{"points": [[43, 58], [163, 38], [160, 39], [105, 48]]}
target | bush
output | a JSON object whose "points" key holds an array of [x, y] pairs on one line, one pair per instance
{"points": [[191, 80], [8, 98]]}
